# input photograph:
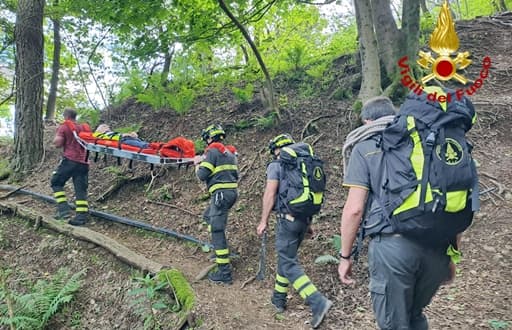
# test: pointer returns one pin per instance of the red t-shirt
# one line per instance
(72, 149)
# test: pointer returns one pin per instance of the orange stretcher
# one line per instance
(176, 152)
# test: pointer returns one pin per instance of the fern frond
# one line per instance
(64, 295)
(326, 259)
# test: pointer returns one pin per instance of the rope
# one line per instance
(362, 133)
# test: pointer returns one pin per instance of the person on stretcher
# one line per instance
(104, 132)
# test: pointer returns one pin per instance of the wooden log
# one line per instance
(120, 251)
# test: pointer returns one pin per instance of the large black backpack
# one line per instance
(301, 182)
(430, 185)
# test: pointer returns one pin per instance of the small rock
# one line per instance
(508, 196)
(488, 248)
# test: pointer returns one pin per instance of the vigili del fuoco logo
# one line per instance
(443, 66)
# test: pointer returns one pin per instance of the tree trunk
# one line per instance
(52, 94)
(167, 65)
(370, 85)
(410, 29)
(269, 85)
(503, 6)
(387, 35)
(424, 9)
(28, 134)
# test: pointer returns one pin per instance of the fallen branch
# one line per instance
(120, 251)
(118, 185)
(249, 280)
(202, 274)
(174, 207)
(304, 130)
(12, 192)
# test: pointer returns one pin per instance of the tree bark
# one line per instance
(387, 34)
(269, 94)
(410, 29)
(54, 81)
(28, 118)
(424, 8)
(370, 85)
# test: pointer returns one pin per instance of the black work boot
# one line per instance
(80, 219)
(222, 275)
(63, 211)
(319, 308)
(278, 300)
(232, 255)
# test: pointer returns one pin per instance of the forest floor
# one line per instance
(480, 297)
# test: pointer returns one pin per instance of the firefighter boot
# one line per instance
(278, 300)
(319, 307)
(80, 219)
(222, 275)
(63, 211)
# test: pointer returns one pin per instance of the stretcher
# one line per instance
(177, 152)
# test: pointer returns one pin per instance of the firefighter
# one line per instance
(217, 167)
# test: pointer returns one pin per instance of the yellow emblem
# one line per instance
(453, 152)
(318, 173)
(444, 41)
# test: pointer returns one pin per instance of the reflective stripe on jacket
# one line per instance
(219, 170)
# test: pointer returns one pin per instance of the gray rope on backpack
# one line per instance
(362, 133)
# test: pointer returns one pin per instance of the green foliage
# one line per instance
(182, 101)
(498, 324)
(33, 310)
(265, 122)
(330, 259)
(5, 169)
(163, 193)
(133, 86)
(199, 146)
(326, 259)
(244, 94)
(90, 116)
(243, 124)
(151, 296)
(182, 289)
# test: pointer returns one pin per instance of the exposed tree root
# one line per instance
(202, 274)
(174, 207)
(120, 182)
(120, 251)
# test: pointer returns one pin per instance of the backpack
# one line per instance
(302, 181)
(430, 183)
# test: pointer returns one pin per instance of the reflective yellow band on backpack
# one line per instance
(456, 200)
(417, 161)
(229, 185)
(317, 198)
(290, 151)
(305, 183)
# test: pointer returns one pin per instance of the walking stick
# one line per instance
(260, 276)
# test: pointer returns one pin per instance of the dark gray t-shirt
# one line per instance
(273, 171)
(365, 169)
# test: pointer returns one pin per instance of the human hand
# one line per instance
(198, 159)
(261, 228)
(345, 271)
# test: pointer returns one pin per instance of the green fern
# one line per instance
(33, 310)
(326, 259)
